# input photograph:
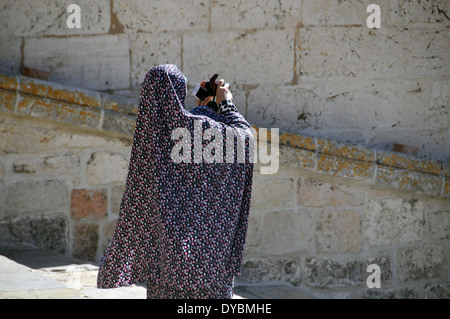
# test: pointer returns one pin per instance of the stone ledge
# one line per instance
(106, 112)
(38, 98)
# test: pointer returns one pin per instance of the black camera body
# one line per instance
(210, 89)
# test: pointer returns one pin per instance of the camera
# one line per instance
(209, 90)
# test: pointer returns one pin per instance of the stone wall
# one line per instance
(304, 66)
(331, 210)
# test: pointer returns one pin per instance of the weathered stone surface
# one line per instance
(159, 15)
(407, 12)
(48, 17)
(409, 180)
(294, 157)
(342, 52)
(287, 232)
(88, 203)
(107, 232)
(25, 139)
(332, 13)
(149, 50)
(290, 108)
(439, 224)
(120, 103)
(35, 197)
(233, 48)
(48, 164)
(259, 269)
(72, 140)
(45, 231)
(392, 221)
(270, 192)
(338, 230)
(437, 291)
(85, 241)
(355, 152)
(254, 232)
(97, 62)
(58, 111)
(105, 168)
(298, 141)
(348, 168)
(8, 101)
(407, 162)
(316, 193)
(116, 198)
(118, 122)
(403, 293)
(10, 60)
(59, 92)
(326, 272)
(421, 262)
(255, 14)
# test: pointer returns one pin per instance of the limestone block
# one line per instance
(437, 291)
(34, 197)
(39, 230)
(272, 192)
(9, 57)
(439, 224)
(85, 241)
(48, 17)
(96, 62)
(316, 193)
(107, 233)
(421, 262)
(331, 13)
(393, 221)
(341, 52)
(287, 232)
(257, 269)
(88, 203)
(324, 272)
(162, 15)
(47, 164)
(255, 14)
(338, 230)
(152, 49)
(440, 94)
(410, 12)
(25, 139)
(116, 198)
(244, 57)
(105, 168)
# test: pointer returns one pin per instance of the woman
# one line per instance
(182, 225)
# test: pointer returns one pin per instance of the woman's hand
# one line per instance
(223, 92)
